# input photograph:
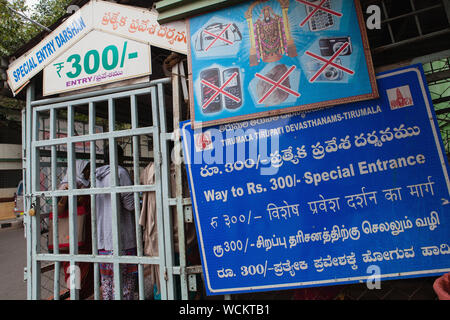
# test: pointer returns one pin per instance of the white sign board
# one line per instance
(97, 59)
(69, 32)
(133, 23)
(141, 25)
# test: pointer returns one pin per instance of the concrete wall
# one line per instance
(10, 156)
(10, 159)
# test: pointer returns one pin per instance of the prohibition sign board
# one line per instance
(281, 54)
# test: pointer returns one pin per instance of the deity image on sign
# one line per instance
(270, 35)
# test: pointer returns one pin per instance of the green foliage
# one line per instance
(15, 31)
(10, 103)
(46, 12)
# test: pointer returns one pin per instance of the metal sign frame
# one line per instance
(33, 194)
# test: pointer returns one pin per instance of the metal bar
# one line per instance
(185, 201)
(438, 76)
(411, 40)
(391, 34)
(29, 19)
(158, 195)
(105, 190)
(167, 135)
(94, 258)
(164, 5)
(98, 136)
(168, 223)
(188, 8)
(447, 9)
(416, 17)
(431, 57)
(34, 137)
(11, 160)
(189, 270)
(86, 156)
(95, 94)
(179, 189)
(137, 208)
(115, 202)
(92, 99)
(93, 158)
(443, 111)
(72, 204)
(183, 82)
(35, 220)
(441, 100)
(24, 165)
(27, 188)
(412, 13)
(54, 187)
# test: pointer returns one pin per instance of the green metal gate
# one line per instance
(39, 200)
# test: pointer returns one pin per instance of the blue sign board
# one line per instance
(334, 196)
(261, 58)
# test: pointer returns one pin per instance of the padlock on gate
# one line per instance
(32, 211)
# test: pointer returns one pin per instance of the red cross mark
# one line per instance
(277, 85)
(220, 91)
(329, 62)
(218, 37)
(317, 8)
